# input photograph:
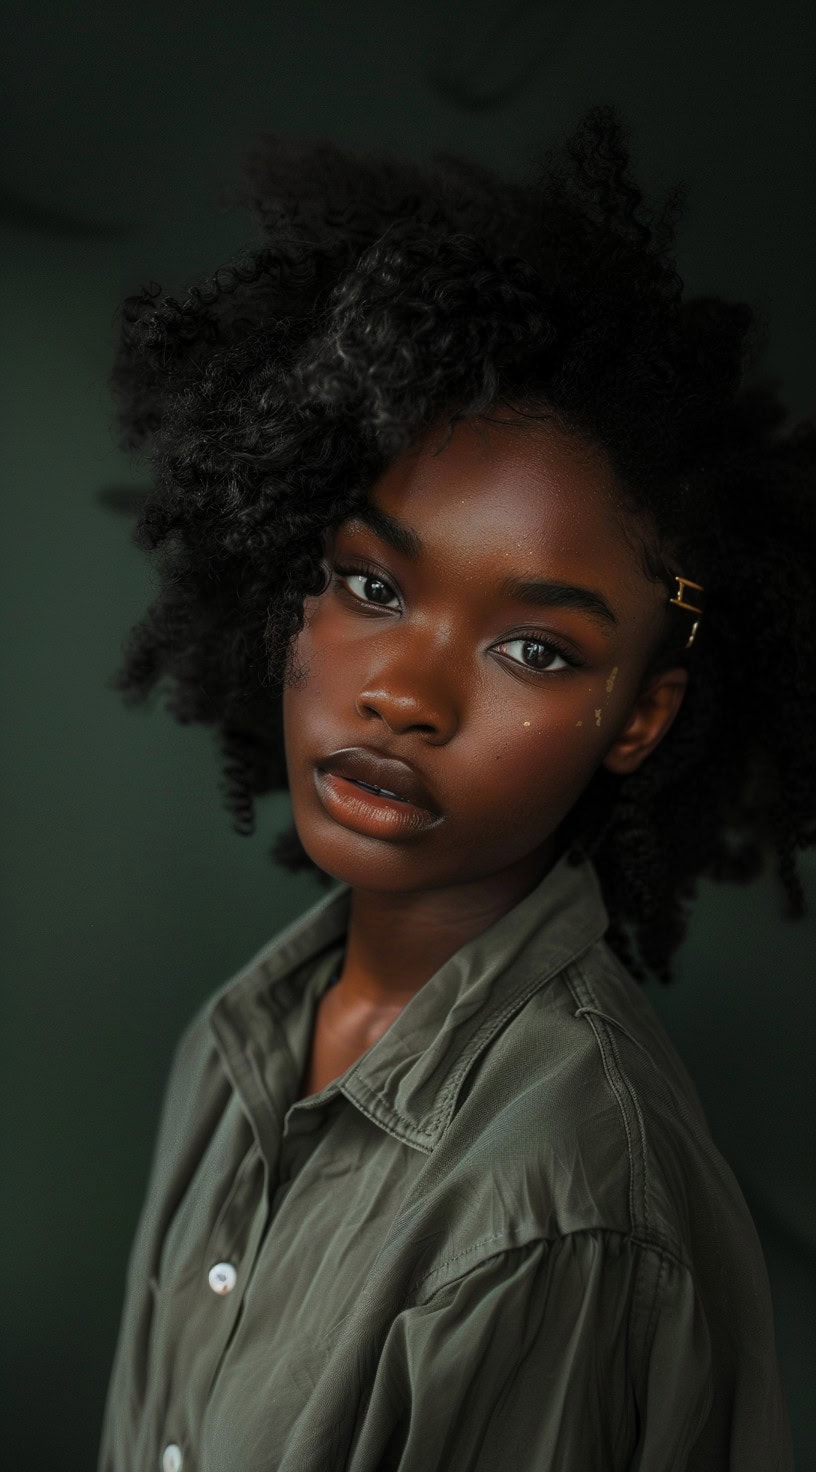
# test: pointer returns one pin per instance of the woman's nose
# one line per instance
(423, 699)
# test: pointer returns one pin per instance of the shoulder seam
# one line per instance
(644, 1243)
(577, 981)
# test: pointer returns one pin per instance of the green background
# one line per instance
(126, 897)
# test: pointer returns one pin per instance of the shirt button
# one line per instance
(222, 1279)
(171, 1458)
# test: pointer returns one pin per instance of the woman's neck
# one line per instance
(398, 940)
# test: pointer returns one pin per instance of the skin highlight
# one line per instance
(424, 659)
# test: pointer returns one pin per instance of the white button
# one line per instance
(222, 1279)
(172, 1458)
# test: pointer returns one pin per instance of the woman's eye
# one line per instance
(541, 655)
(372, 588)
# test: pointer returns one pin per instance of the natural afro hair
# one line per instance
(385, 295)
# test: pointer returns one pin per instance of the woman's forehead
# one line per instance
(517, 519)
(505, 490)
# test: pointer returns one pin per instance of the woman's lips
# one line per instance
(372, 814)
(389, 774)
(378, 791)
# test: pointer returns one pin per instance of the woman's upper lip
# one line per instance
(362, 764)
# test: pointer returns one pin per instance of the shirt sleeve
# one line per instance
(590, 1351)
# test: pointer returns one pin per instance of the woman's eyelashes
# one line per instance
(542, 663)
(552, 657)
(367, 575)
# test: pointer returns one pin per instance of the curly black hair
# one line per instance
(385, 295)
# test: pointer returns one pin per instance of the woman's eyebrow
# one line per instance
(544, 593)
(396, 533)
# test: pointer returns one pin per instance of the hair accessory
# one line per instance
(680, 601)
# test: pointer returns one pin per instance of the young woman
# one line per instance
(474, 534)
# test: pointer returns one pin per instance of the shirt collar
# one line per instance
(409, 1081)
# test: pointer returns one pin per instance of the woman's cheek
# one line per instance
(537, 759)
(598, 704)
(569, 749)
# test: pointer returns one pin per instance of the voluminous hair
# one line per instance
(385, 296)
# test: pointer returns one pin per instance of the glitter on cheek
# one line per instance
(597, 718)
(611, 681)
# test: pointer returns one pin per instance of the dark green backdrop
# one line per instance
(127, 898)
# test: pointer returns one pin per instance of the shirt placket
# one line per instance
(263, 1181)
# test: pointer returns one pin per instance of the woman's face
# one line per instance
(503, 702)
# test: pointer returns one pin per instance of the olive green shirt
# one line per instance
(502, 1239)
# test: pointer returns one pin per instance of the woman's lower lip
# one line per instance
(367, 812)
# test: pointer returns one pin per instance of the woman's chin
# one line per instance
(363, 862)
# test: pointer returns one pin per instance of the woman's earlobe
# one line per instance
(649, 720)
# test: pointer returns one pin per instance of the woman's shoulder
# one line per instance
(584, 1105)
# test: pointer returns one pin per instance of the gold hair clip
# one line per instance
(680, 601)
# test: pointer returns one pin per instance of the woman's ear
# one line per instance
(649, 720)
